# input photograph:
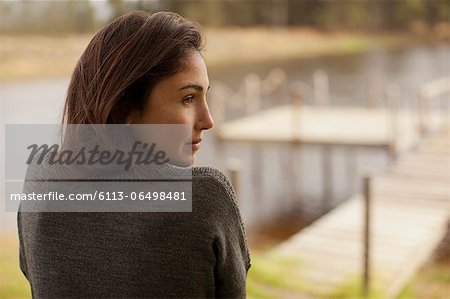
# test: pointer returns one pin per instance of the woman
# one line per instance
(141, 69)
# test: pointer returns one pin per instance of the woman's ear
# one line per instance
(130, 119)
(133, 118)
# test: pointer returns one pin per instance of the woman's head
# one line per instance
(142, 69)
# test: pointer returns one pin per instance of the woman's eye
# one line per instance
(188, 99)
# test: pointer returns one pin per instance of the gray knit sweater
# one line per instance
(198, 254)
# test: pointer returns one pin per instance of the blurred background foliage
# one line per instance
(24, 16)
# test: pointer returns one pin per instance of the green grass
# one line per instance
(275, 276)
(432, 282)
(13, 283)
(271, 276)
(272, 270)
(352, 288)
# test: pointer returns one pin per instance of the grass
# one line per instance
(351, 288)
(433, 282)
(13, 284)
(27, 57)
(271, 276)
(274, 275)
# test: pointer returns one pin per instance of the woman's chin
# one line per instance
(184, 161)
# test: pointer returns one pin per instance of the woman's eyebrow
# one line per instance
(194, 86)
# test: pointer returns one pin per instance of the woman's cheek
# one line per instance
(186, 117)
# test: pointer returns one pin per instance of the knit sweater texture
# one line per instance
(198, 254)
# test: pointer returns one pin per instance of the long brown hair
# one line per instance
(123, 62)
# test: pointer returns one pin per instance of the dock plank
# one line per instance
(410, 214)
(311, 124)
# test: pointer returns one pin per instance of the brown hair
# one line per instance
(123, 62)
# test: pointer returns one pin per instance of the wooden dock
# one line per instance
(394, 131)
(410, 210)
(409, 205)
(396, 126)
(326, 125)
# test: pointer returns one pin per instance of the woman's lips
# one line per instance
(196, 144)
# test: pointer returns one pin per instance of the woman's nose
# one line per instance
(204, 120)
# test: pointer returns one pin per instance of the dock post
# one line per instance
(422, 108)
(252, 93)
(367, 244)
(234, 169)
(322, 98)
(257, 169)
(276, 85)
(351, 167)
(374, 89)
(321, 88)
(393, 96)
(327, 177)
(297, 103)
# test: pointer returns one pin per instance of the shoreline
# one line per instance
(25, 57)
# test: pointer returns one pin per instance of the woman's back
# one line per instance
(202, 253)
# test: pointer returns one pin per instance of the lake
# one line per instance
(263, 194)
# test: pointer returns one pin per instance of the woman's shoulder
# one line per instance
(213, 191)
(213, 185)
(212, 182)
(213, 175)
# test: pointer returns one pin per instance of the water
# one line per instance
(350, 80)
(349, 75)
(263, 192)
(27, 102)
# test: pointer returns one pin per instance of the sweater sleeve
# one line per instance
(230, 244)
(22, 260)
